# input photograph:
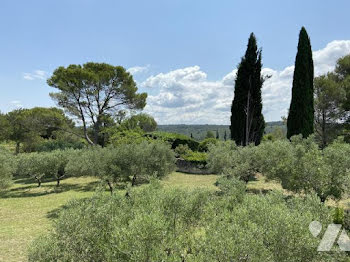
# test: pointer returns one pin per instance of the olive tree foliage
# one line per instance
(7, 163)
(50, 165)
(93, 92)
(158, 224)
(34, 165)
(220, 156)
(56, 163)
(233, 161)
(135, 163)
(301, 166)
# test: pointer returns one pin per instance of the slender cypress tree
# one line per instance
(301, 111)
(247, 121)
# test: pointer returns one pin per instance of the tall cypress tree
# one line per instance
(301, 111)
(247, 121)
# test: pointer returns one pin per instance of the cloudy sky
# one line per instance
(183, 53)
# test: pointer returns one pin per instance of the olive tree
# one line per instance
(231, 160)
(7, 163)
(159, 224)
(134, 163)
(34, 165)
(56, 163)
(301, 166)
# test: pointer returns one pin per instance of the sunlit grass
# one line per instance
(25, 210)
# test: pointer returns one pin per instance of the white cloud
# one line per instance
(37, 74)
(326, 58)
(138, 69)
(15, 104)
(186, 96)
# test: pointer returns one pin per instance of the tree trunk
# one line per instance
(110, 186)
(84, 125)
(18, 144)
(38, 180)
(60, 176)
(324, 140)
(96, 132)
(323, 199)
(133, 182)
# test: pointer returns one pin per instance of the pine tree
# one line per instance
(301, 111)
(225, 136)
(247, 121)
(217, 134)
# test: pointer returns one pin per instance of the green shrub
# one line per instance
(135, 162)
(338, 216)
(51, 145)
(174, 139)
(34, 165)
(199, 158)
(182, 150)
(204, 145)
(133, 136)
(302, 167)
(221, 156)
(7, 163)
(156, 224)
(232, 187)
(226, 157)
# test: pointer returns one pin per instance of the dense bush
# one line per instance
(220, 156)
(135, 162)
(155, 224)
(299, 165)
(51, 145)
(232, 187)
(44, 164)
(204, 145)
(302, 167)
(34, 165)
(56, 163)
(199, 158)
(135, 136)
(234, 161)
(174, 139)
(7, 163)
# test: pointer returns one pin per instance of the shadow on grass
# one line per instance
(258, 191)
(54, 214)
(34, 191)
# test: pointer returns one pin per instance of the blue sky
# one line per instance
(181, 52)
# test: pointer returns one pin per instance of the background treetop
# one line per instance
(93, 90)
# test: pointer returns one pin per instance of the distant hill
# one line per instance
(199, 131)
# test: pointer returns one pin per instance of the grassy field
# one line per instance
(27, 211)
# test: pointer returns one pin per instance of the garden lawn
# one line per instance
(27, 211)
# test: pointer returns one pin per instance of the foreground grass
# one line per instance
(27, 211)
